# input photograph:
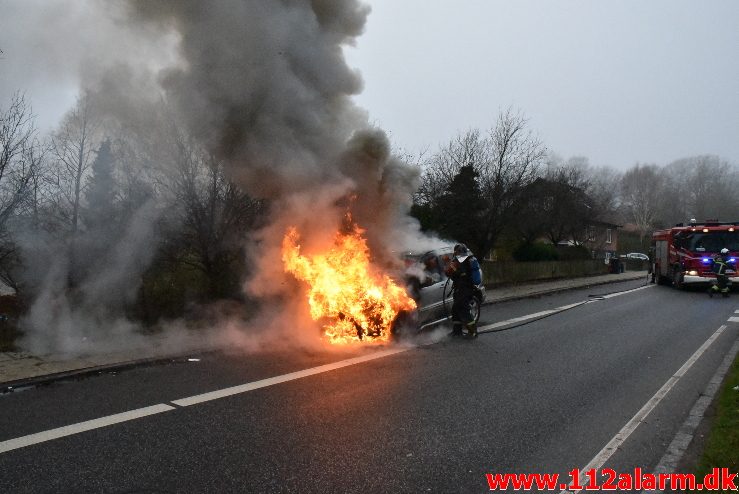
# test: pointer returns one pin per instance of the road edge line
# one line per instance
(676, 450)
(623, 434)
(529, 318)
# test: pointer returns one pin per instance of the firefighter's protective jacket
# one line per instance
(467, 276)
(720, 265)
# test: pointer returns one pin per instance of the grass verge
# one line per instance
(722, 446)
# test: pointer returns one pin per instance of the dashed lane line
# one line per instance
(68, 430)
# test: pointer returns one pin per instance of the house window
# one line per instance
(608, 236)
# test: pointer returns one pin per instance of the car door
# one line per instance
(431, 305)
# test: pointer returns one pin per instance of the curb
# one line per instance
(30, 382)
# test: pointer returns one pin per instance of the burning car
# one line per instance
(355, 300)
(430, 287)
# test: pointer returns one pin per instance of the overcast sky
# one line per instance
(619, 82)
(616, 81)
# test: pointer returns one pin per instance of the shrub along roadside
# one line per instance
(9, 312)
(533, 252)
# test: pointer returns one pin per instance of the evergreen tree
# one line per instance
(100, 214)
(461, 208)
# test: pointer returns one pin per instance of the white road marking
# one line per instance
(734, 319)
(271, 381)
(527, 317)
(618, 294)
(544, 313)
(40, 437)
(68, 430)
(610, 448)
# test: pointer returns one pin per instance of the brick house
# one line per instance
(601, 238)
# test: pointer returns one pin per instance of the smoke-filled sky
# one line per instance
(616, 81)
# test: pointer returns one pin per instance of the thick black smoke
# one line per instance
(264, 86)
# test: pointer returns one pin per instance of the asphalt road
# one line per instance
(545, 396)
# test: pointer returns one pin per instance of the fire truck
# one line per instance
(683, 255)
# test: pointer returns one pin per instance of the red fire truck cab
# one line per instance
(683, 255)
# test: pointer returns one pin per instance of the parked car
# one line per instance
(638, 256)
(430, 287)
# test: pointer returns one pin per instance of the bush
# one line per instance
(10, 311)
(574, 253)
(535, 252)
(166, 291)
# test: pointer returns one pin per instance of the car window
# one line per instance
(711, 242)
(431, 264)
(445, 259)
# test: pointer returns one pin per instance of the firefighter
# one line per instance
(466, 275)
(720, 265)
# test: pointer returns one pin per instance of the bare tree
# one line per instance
(36, 199)
(700, 187)
(73, 146)
(604, 189)
(641, 188)
(558, 203)
(213, 214)
(217, 216)
(505, 161)
(20, 155)
(512, 162)
(467, 149)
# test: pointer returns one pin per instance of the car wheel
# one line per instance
(406, 323)
(475, 308)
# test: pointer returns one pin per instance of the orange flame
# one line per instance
(356, 301)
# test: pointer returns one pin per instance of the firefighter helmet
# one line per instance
(460, 250)
(724, 251)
